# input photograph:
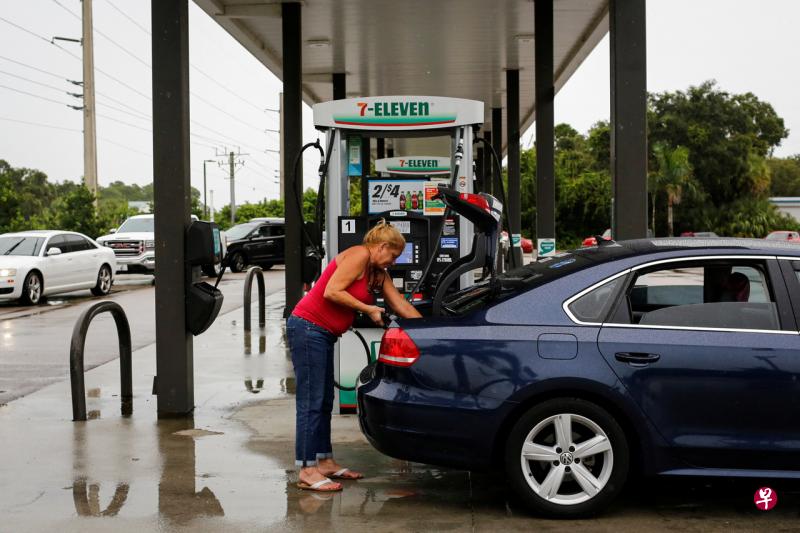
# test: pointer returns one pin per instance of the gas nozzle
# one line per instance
(387, 319)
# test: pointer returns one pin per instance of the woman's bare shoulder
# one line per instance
(354, 254)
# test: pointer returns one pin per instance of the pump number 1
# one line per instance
(348, 226)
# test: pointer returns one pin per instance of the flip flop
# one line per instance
(317, 486)
(342, 474)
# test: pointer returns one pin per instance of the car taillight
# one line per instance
(476, 200)
(397, 348)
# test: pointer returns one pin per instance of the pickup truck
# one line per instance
(134, 246)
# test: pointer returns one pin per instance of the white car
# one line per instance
(34, 264)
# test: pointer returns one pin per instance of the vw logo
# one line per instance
(566, 458)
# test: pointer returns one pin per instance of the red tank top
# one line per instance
(333, 317)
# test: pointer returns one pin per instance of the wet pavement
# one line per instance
(35, 340)
(231, 467)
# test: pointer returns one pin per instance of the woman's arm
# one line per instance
(348, 268)
(400, 305)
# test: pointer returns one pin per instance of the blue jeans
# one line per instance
(312, 357)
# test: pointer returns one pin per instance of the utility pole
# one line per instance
(233, 189)
(232, 162)
(89, 130)
(212, 205)
(205, 198)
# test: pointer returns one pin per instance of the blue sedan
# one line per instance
(657, 356)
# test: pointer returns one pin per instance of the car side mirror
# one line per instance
(112, 230)
(53, 251)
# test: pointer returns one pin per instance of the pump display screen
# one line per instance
(407, 257)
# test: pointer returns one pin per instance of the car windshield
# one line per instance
(529, 276)
(20, 245)
(135, 225)
(240, 231)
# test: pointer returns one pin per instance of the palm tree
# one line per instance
(673, 176)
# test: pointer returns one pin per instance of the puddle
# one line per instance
(196, 433)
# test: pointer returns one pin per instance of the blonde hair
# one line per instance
(383, 232)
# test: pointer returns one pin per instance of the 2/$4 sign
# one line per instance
(398, 113)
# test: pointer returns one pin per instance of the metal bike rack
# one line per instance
(248, 286)
(76, 358)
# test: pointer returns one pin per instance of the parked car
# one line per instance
(652, 356)
(704, 234)
(34, 264)
(783, 236)
(134, 246)
(592, 240)
(258, 242)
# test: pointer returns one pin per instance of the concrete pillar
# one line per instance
(339, 85)
(171, 186)
(488, 168)
(365, 164)
(512, 126)
(628, 118)
(545, 149)
(381, 149)
(480, 176)
(293, 142)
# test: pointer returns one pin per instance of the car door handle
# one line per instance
(637, 358)
(270, 242)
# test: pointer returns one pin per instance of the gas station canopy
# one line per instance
(454, 48)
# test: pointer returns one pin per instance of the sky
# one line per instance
(742, 45)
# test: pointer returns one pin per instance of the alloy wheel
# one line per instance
(104, 280)
(34, 289)
(567, 459)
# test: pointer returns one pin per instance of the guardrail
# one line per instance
(76, 358)
(248, 289)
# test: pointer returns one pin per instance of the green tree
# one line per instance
(672, 177)
(785, 176)
(76, 212)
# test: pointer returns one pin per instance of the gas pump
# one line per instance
(406, 194)
(203, 301)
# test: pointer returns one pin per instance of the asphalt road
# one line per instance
(34, 341)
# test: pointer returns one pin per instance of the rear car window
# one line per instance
(595, 304)
(730, 294)
(524, 278)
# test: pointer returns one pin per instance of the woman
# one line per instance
(347, 285)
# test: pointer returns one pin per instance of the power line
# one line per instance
(129, 87)
(132, 89)
(20, 63)
(34, 95)
(33, 81)
(51, 126)
(45, 39)
(143, 62)
(73, 130)
(97, 31)
(135, 112)
(198, 69)
(128, 17)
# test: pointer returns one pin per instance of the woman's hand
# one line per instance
(374, 314)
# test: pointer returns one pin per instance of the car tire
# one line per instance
(104, 280)
(32, 289)
(567, 476)
(238, 262)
